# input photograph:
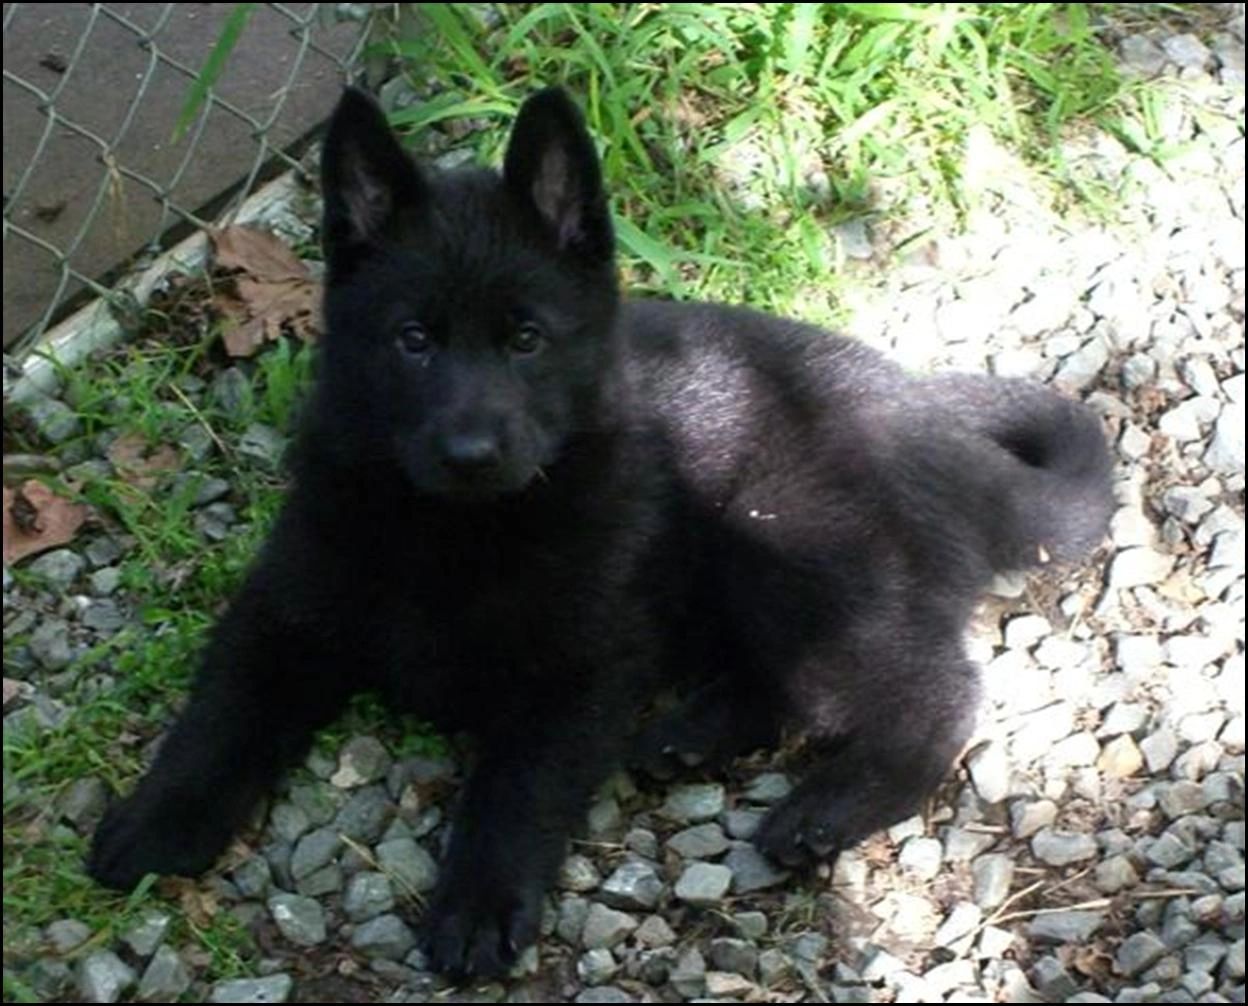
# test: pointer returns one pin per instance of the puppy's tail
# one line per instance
(1035, 470)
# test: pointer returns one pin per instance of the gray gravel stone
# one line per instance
(49, 644)
(361, 761)
(386, 936)
(695, 802)
(1188, 51)
(1159, 749)
(252, 877)
(103, 616)
(605, 816)
(604, 994)
(1226, 450)
(570, 918)
(741, 824)
(921, 857)
(1138, 952)
(103, 977)
(1169, 851)
(963, 845)
(165, 978)
(751, 870)
(1142, 55)
(1135, 567)
(67, 935)
(272, 989)
(596, 967)
(410, 868)
(300, 919)
(960, 927)
(703, 884)
(751, 925)
(578, 873)
(1053, 980)
(1073, 926)
(1115, 874)
(263, 445)
(737, 956)
(1061, 848)
(1233, 967)
(365, 815)
(655, 932)
(688, 978)
(147, 934)
(368, 895)
(1081, 369)
(992, 874)
(605, 927)
(643, 842)
(990, 773)
(768, 788)
(773, 967)
(84, 802)
(314, 851)
(1028, 816)
(55, 421)
(1178, 799)
(633, 885)
(702, 841)
(105, 581)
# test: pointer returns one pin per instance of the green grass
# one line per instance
(735, 136)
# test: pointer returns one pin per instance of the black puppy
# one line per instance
(521, 505)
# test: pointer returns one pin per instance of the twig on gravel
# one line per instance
(1077, 907)
(222, 446)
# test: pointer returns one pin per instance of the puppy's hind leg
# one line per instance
(905, 731)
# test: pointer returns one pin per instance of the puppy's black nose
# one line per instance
(471, 453)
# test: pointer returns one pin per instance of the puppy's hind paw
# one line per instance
(800, 832)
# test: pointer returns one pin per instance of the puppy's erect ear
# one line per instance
(552, 170)
(366, 177)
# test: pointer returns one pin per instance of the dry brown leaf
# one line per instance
(257, 253)
(1093, 961)
(199, 904)
(272, 294)
(36, 519)
(138, 465)
(12, 689)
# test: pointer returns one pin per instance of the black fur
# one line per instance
(521, 506)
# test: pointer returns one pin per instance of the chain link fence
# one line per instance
(98, 177)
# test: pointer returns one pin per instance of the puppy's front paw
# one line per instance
(473, 929)
(135, 838)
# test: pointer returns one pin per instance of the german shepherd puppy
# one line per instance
(522, 504)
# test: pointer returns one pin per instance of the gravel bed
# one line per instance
(1090, 847)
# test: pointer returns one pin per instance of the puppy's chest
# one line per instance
(516, 607)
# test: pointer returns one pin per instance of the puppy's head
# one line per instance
(469, 313)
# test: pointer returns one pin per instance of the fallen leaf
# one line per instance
(1093, 961)
(12, 689)
(257, 253)
(36, 519)
(138, 465)
(270, 294)
(199, 904)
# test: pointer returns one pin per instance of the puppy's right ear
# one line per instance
(366, 177)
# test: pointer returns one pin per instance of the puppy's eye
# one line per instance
(413, 339)
(526, 340)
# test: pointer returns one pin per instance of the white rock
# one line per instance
(1134, 567)
(1226, 451)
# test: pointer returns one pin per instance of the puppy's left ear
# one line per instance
(552, 170)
